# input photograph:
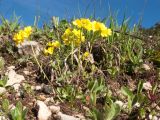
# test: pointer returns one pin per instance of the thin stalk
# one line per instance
(72, 52)
(34, 55)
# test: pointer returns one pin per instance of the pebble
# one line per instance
(14, 79)
(42, 97)
(66, 117)
(2, 90)
(26, 48)
(44, 113)
(54, 109)
(38, 88)
(47, 89)
(146, 67)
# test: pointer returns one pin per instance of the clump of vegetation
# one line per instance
(88, 65)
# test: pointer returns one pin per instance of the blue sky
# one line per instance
(148, 10)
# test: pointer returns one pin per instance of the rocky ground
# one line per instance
(127, 90)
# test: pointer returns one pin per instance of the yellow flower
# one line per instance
(22, 34)
(86, 55)
(56, 44)
(49, 50)
(73, 36)
(68, 31)
(79, 35)
(50, 44)
(83, 23)
(106, 32)
(18, 38)
(97, 26)
(28, 30)
(51, 47)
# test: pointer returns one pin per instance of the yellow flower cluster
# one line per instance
(51, 46)
(93, 25)
(85, 55)
(73, 36)
(83, 23)
(22, 35)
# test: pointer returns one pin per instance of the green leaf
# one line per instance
(126, 92)
(3, 81)
(2, 62)
(130, 96)
(98, 89)
(140, 86)
(142, 113)
(19, 106)
(24, 113)
(15, 114)
(112, 112)
(5, 105)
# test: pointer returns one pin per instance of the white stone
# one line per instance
(80, 116)
(14, 79)
(66, 117)
(120, 103)
(2, 90)
(155, 118)
(137, 105)
(146, 67)
(147, 86)
(26, 72)
(44, 112)
(3, 118)
(10, 68)
(54, 109)
(38, 88)
(150, 117)
(50, 99)
(27, 48)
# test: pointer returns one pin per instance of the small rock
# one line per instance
(66, 117)
(151, 117)
(18, 94)
(44, 112)
(38, 88)
(2, 90)
(54, 109)
(155, 118)
(120, 103)
(146, 67)
(49, 100)
(147, 86)
(80, 116)
(10, 68)
(150, 36)
(47, 89)
(42, 97)
(26, 48)
(3, 118)
(14, 79)
(26, 72)
(136, 105)
(31, 103)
